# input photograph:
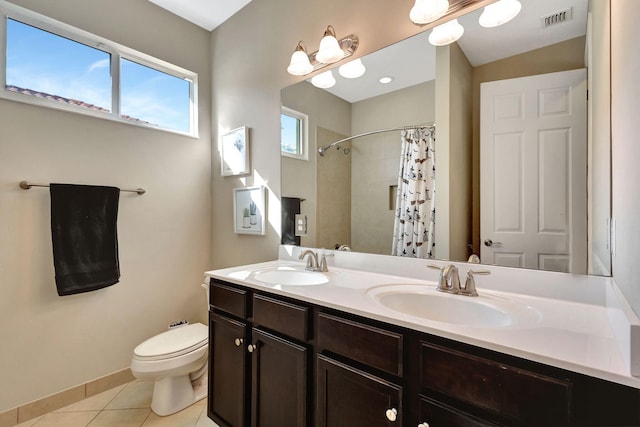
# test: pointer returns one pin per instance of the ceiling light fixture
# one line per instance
(386, 80)
(331, 50)
(446, 33)
(499, 13)
(353, 69)
(425, 11)
(323, 80)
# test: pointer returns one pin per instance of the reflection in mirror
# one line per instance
(537, 171)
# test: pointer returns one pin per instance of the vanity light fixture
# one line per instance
(323, 80)
(300, 64)
(499, 13)
(331, 50)
(353, 69)
(446, 33)
(425, 11)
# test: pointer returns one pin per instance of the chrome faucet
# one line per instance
(312, 260)
(449, 280)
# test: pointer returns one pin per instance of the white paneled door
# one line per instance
(533, 173)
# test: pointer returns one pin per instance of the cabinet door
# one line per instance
(279, 382)
(348, 397)
(227, 371)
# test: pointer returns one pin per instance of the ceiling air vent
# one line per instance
(557, 18)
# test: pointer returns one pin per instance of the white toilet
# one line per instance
(176, 360)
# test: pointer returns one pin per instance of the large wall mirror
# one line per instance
(522, 163)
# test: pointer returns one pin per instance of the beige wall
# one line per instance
(453, 160)
(625, 92)
(300, 177)
(334, 193)
(50, 343)
(599, 117)
(567, 55)
(375, 161)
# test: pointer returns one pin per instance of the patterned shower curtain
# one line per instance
(414, 225)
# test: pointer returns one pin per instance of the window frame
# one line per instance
(304, 133)
(117, 52)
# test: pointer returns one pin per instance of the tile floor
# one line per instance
(127, 405)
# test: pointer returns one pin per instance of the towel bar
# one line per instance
(25, 185)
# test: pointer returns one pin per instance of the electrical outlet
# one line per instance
(301, 225)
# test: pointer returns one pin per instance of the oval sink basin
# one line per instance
(484, 311)
(291, 277)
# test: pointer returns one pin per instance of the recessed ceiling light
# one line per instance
(386, 79)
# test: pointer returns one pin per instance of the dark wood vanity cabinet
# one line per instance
(258, 359)
(305, 365)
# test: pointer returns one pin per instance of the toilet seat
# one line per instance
(173, 343)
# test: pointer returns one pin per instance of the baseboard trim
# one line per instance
(64, 398)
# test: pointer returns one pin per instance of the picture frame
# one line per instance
(249, 210)
(234, 152)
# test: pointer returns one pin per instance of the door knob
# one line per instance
(238, 342)
(392, 414)
(489, 243)
(251, 348)
(423, 425)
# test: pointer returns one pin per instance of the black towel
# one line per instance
(290, 207)
(84, 236)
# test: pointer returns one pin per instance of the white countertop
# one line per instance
(570, 333)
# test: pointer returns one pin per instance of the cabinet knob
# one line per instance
(392, 414)
(238, 342)
(423, 425)
(251, 348)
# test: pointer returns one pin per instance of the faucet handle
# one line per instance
(323, 262)
(470, 283)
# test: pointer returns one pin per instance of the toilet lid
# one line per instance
(173, 342)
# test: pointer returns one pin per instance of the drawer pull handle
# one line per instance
(392, 414)
(423, 425)
(238, 342)
(251, 348)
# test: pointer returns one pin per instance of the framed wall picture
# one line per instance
(234, 152)
(249, 210)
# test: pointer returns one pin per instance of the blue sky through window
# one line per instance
(45, 62)
(290, 131)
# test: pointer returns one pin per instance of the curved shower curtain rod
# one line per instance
(322, 150)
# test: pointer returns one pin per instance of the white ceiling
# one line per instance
(207, 14)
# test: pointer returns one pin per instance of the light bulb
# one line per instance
(425, 11)
(446, 33)
(300, 64)
(353, 69)
(323, 80)
(499, 13)
(329, 51)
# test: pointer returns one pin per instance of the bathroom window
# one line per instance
(51, 64)
(294, 134)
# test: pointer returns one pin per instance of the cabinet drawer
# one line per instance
(516, 395)
(280, 316)
(375, 347)
(226, 298)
